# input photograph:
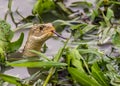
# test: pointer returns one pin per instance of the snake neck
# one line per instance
(31, 45)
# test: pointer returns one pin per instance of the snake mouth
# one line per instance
(47, 35)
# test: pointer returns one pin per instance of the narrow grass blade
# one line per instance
(40, 54)
(32, 64)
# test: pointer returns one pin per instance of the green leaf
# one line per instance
(5, 33)
(11, 79)
(82, 78)
(60, 24)
(40, 54)
(16, 45)
(88, 28)
(115, 2)
(99, 75)
(63, 7)
(2, 55)
(42, 6)
(113, 75)
(28, 63)
(78, 64)
(73, 27)
(93, 51)
(108, 16)
(106, 34)
(75, 54)
(74, 58)
(81, 3)
(116, 39)
(57, 23)
(95, 12)
(58, 55)
(110, 13)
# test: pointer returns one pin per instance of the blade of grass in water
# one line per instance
(56, 59)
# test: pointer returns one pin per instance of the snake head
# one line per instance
(41, 32)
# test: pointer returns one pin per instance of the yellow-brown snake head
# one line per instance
(41, 32)
(38, 34)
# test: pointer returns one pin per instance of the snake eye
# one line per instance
(42, 27)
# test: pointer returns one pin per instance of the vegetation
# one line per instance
(85, 59)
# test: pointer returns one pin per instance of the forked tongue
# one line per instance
(59, 35)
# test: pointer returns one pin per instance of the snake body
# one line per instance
(38, 34)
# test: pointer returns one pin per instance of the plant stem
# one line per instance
(52, 70)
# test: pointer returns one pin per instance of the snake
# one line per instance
(37, 36)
